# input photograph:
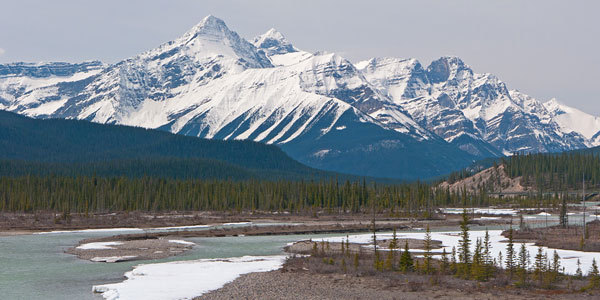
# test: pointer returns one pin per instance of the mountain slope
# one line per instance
(383, 118)
(57, 144)
(210, 83)
(470, 109)
(574, 120)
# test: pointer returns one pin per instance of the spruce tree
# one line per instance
(444, 262)
(500, 260)
(578, 273)
(427, 268)
(594, 276)
(406, 261)
(477, 266)
(555, 267)
(464, 252)
(510, 254)
(523, 265)
(539, 265)
(563, 213)
(487, 255)
(453, 263)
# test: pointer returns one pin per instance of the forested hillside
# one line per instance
(556, 172)
(541, 172)
(69, 147)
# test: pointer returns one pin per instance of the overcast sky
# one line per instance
(541, 47)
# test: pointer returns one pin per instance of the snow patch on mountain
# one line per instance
(274, 43)
(475, 111)
(574, 120)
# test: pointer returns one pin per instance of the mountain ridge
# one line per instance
(318, 107)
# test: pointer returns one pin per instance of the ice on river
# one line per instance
(185, 279)
(451, 239)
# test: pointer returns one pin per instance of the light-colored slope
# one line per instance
(572, 119)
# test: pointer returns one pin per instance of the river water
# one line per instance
(36, 267)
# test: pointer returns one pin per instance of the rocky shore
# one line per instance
(296, 281)
(118, 251)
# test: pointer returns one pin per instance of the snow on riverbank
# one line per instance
(483, 211)
(90, 230)
(182, 242)
(180, 227)
(98, 246)
(451, 239)
(237, 223)
(113, 259)
(185, 279)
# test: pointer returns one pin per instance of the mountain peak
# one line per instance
(211, 37)
(445, 68)
(274, 43)
(210, 25)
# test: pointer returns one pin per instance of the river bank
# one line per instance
(300, 278)
(568, 237)
(27, 223)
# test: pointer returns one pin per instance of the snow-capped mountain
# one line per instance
(274, 43)
(211, 83)
(384, 117)
(24, 87)
(474, 111)
(574, 120)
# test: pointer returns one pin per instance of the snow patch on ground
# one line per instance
(237, 223)
(180, 227)
(451, 239)
(488, 218)
(185, 279)
(483, 211)
(181, 242)
(113, 259)
(98, 246)
(90, 230)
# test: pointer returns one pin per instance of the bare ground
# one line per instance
(562, 238)
(302, 279)
(132, 250)
(12, 223)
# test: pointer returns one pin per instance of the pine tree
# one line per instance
(487, 255)
(510, 254)
(594, 276)
(500, 260)
(444, 262)
(389, 261)
(464, 254)
(578, 273)
(555, 268)
(315, 250)
(523, 265)
(406, 261)
(427, 268)
(563, 213)
(478, 267)
(453, 263)
(539, 266)
(356, 261)
(392, 254)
